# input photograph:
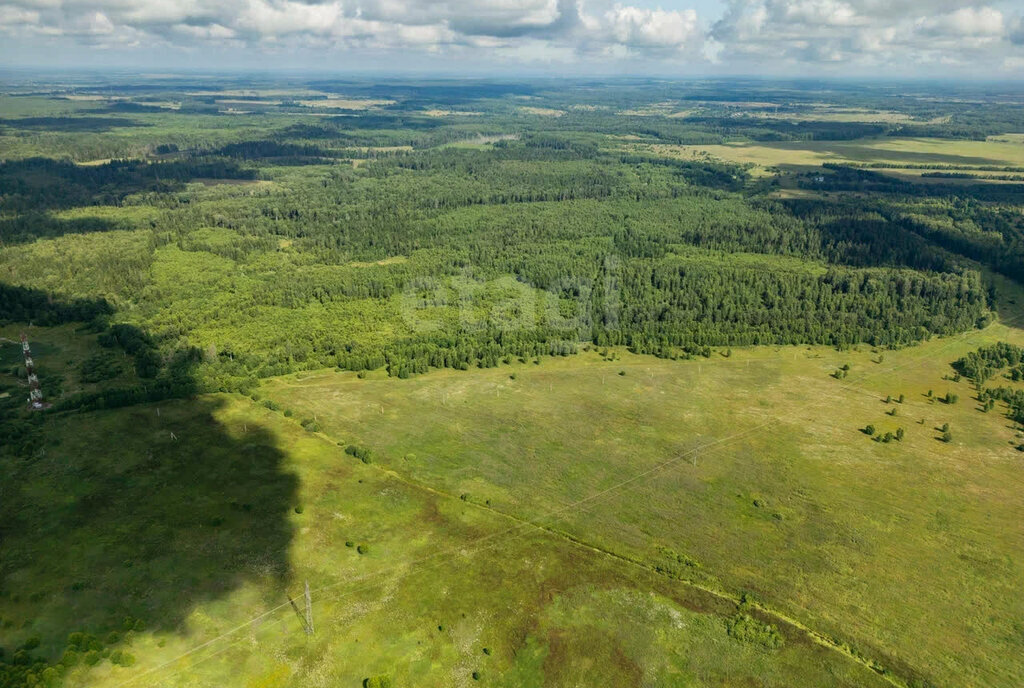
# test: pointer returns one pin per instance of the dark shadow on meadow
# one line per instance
(128, 517)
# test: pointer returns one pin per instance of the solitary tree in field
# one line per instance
(899, 434)
(947, 436)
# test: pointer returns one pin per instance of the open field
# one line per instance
(345, 103)
(556, 494)
(205, 516)
(919, 152)
(769, 483)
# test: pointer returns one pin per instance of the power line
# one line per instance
(523, 524)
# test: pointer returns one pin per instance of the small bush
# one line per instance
(102, 366)
(363, 549)
(747, 629)
(361, 453)
(381, 681)
(272, 405)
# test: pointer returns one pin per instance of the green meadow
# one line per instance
(601, 515)
(554, 384)
(208, 514)
(923, 154)
(755, 466)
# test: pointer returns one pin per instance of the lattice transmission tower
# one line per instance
(35, 394)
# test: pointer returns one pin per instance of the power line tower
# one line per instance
(35, 395)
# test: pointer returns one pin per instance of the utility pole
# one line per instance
(35, 395)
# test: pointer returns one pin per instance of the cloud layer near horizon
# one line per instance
(904, 36)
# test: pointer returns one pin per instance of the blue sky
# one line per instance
(820, 38)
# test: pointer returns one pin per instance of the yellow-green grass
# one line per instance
(755, 466)
(541, 111)
(346, 103)
(206, 515)
(916, 151)
(833, 114)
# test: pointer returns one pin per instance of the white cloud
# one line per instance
(754, 33)
(207, 32)
(654, 29)
(272, 18)
(17, 16)
(818, 12)
(865, 33)
(967, 21)
(94, 24)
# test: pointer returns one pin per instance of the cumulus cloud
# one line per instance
(16, 16)
(748, 32)
(966, 21)
(657, 30)
(863, 33)
(562, 27)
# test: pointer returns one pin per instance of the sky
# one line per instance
(802, 38)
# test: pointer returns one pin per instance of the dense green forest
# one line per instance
(511, 224)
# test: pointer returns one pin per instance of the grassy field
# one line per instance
(916, 151)
(755, 466)
(586, 519)
(189, 535)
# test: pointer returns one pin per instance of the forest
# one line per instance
(359, 225)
